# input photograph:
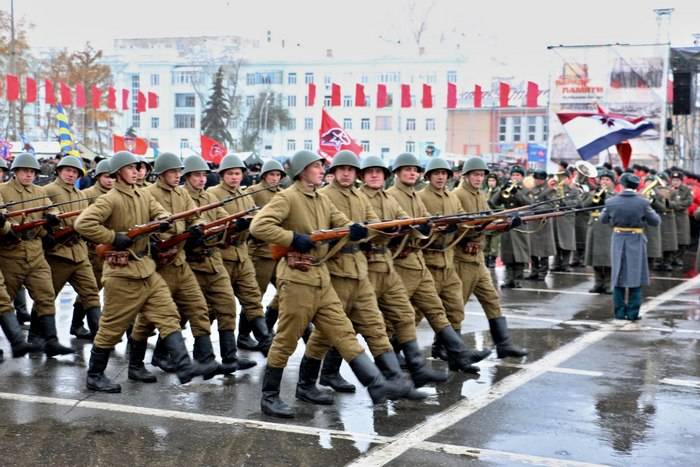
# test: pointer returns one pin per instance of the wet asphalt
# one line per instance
(591, 391)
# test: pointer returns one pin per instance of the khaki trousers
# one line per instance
(476, 279)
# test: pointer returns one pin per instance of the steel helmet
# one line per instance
(344, 157)
(167, 161)
(102, 168)
(369, 162)
(120, 160)
(272, 165)
(437, 163)
(406, 160)
(301, 160)
(25, 161)
(475, 163)
(3, 164)
(71, 161)
(232, 162)
(195, 164)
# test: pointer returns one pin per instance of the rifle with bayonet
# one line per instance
(24, 212)
(15, 203)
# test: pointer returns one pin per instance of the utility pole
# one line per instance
(13, 121)
(663, 21)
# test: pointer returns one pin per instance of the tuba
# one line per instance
(584, 171)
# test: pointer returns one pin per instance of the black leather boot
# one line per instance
(48, 329)
(185, 368)
(459, 358)
(330, 373)
(76, 326)
(270, 403)
(96, 379)
(229, 355)
(13, 332)
(534, 269)
(92, 316)
(420, 373)
(35, 335)
(504, 344)
(271, 315)
(161, 358)
(203, 352)
(389, 366)
(137, 370)
(307, 390)
(262, 335)
(245, 340)
(438, 350)
(378, 387)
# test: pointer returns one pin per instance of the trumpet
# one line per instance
(561, 178)
(510, 189)
(649, 191)
(599, 196)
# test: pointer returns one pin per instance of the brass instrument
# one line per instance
(585, 170)
(561, 177)
(508, 191)
(649, 191)
(599, 195)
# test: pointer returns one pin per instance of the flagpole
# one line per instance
(13, 123)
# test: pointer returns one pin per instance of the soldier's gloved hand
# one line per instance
(515, 221)
(122, 241)
(48, 242)
(3, 219)
(302, 243)
(164, 226)
(451, 228)
(358, 232)
(242, 224)
(52, 220)
(424, 229)
(196, 235)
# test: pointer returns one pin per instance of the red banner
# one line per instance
(111, 98)
(12, 88)
(66, 94)
(451, 95)
(129, 143)
(140, 102)
(478, 95)
(503, 92)
(335, 95)
(333, 138)
(95, 95)
(125, 99)
(311, 95)
(152, 100)
(360, 98)
(212, 150)
(533, 92)
(427, 99)
(405, 95)
(49, 96)
(80, 99)
(382, 97)
(30, 90)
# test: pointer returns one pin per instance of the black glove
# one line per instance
(122, 241)
(358, 232)
(302, 243)
(515, 221)
(48, 241)
(242, 224)
(424, 229)
(164, 226)
(52, 220)
(196, 236)
(451, 228)
(3, 219)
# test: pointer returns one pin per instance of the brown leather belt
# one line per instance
(349, 249)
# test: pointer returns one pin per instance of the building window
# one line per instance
(502, 129)
(308, 78)
(383, 123)
(291, 101)
(365, 145)
(184, 100)
(545, 128)
(184, 143)
(135, 86)
(364, 124)
(411, 146)
(292, 124)
(266, 77)
(531, 128)
(517, 130)
(364, 79)
(291, 145)
(430, 124)
(250, 101)
(327, 101)
(184, 121)
(155, 122)
(327, 80)
(451, 76)
(291, 78)
(410, 124)
(308, 145)
(347, 101)
(347, 123)
(184, 77)
(308, 123)
(155, 79)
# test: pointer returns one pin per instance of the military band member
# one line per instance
(599, 235)
(682, 198)
(541, 234)
(653, 232)
(564, 226)
(669, 234)
(492, 242)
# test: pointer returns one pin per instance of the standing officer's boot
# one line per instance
(48, 330)
(666, 262)
(161, 358)
(137, 370)
(504, 344)
(389, 366)
(262, 335)
(378, 387)
(93, 315)
(35, 334)
(459, 358)
(245, 341)
(13, 332)
(185, 368)
(271, 315)
(307, 390)
(438, 349)
(420, 373)
(270, 403)
(229, 356)
(76, 326)
(330, 373)
(96, 379)
(534, 269)
(203, 352)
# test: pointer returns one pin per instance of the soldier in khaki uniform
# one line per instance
(469, 261)
(130, 280)
(68, 259)
(542, 243)
(599, 235)
(305, 291)
(682, 198)
(22, 259)
(416, 276)
(348, 270)
(236, 260)
(103, 183)
(492, 242)
(144, 169)
(205, 260)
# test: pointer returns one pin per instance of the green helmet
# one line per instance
(102, 168)
(232, 162)
(375, 161)
(437, 163)
(475, 163)
(3, 164)
(270, 166)
(25, 161)
(344, 158)
(406, 160)
(195, 164)
(166, 161)
(71, 161)
(120, 160)
(301, 160)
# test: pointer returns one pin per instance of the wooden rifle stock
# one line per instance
(22, 212)
(39, 222)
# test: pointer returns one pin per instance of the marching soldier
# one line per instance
(469, 261)
(131, 283)
(103, 183)
(236, 260)
(144, 168)
(492, 242)
(418, 278)
(682, 198)
(305, 291)
(208, 266)
(653, 231)
(599, 235)
(22, 260)
(68, 259)
(515, 248)
(542, 237)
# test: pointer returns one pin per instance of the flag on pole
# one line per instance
(140, 102)
(360, 98)
(503, 93)
(212, 150)
(125, 99)
(152, 100)
(451, 95)
(30, 90)
(111, 98)
(311, 95)
(66, 95)
(129, 143)
(382, 97)
(66, 140)
(12, 87)
(478, 96)
(333, 138)
(533, 91)
(80, 99)
(427, 99)
(49, 95)
(95, 96)
(405, 95)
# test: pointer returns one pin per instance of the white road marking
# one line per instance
(681, 382)
(660, 278)
(457, 412)
(565, 292)
(576, 371)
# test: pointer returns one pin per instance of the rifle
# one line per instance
(14, 203)
(503, 225)
(23, 212)
(17, 228)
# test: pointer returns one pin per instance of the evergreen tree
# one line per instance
(217, 112)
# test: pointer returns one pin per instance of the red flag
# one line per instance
(80, 100)
(125, 99)
(111, 98)
(427, 99)
(405, 95)
(360, 100)
(66, 95)
(212, 150)
(624, 149)
(669, 91)
(335, 95)
(29, 90)
(382, 97)
(451, 95)
(478, 95)
(533, 92)
(95, 95)
(152, 100)
(503, 92)
(333, 138)
(49, 96)
(12, 90)
(140, 102)
(311, 95)
(129, 143)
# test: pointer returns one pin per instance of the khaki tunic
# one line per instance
(5, 302)
(94, 192)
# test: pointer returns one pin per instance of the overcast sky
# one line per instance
(504, 37)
